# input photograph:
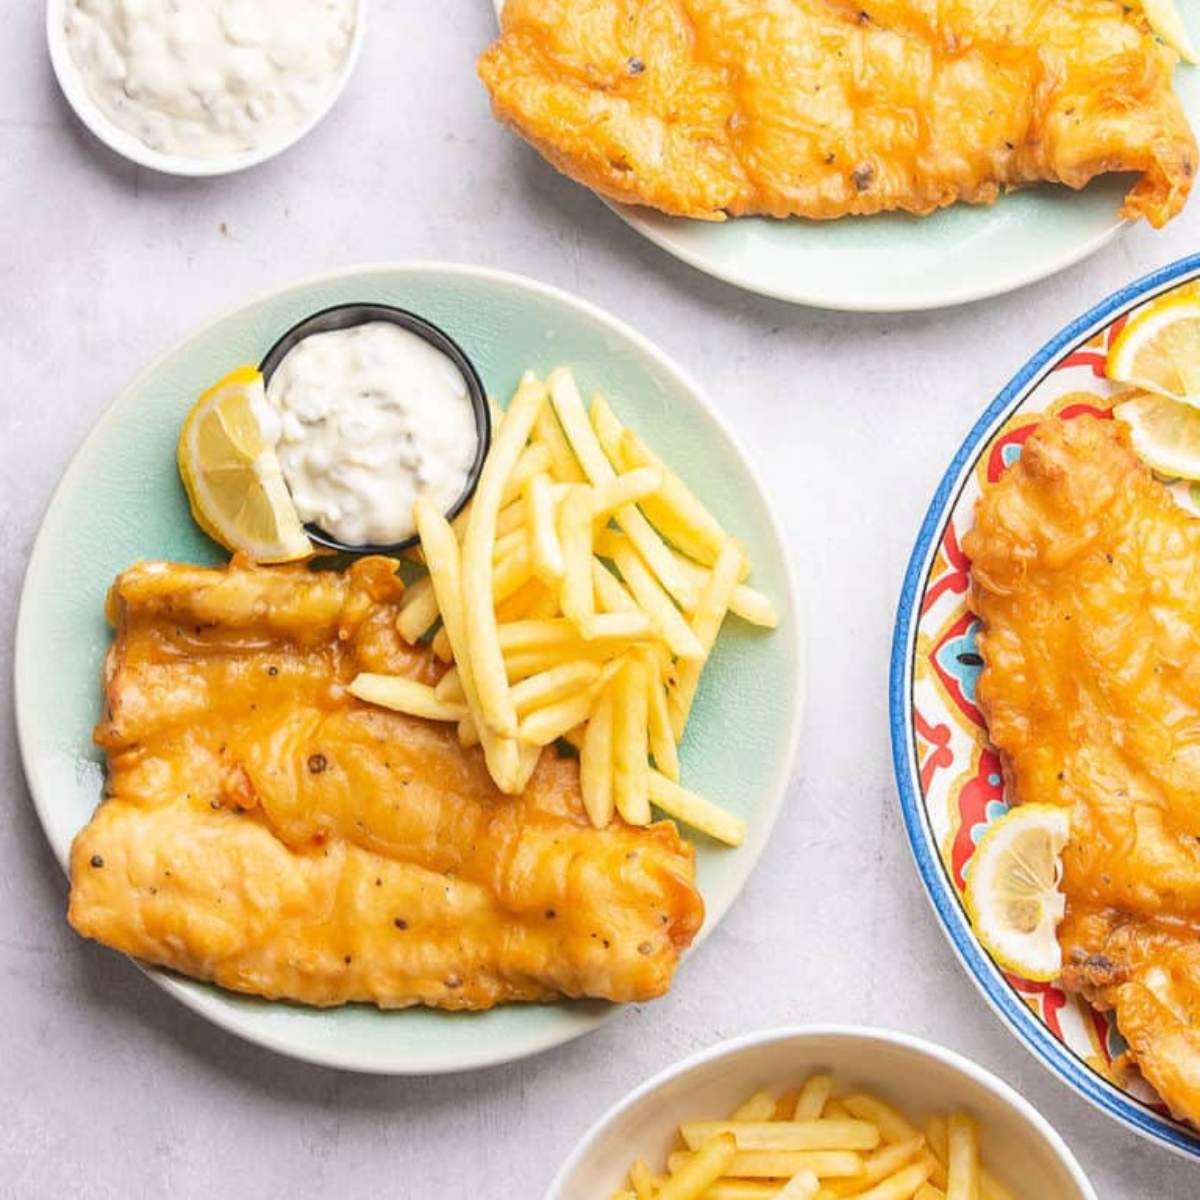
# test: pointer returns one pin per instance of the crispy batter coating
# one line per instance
(824, 108)
(265, 830)
(1086, 575)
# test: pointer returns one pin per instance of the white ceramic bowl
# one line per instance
(1019, 1147)
(125, 144)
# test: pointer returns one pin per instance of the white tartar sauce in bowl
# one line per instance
(209, 79)
(370, 418)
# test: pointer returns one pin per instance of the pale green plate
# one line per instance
(121, 500)
(900, 263)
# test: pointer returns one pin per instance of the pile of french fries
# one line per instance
(579, 596)
(813, 1144)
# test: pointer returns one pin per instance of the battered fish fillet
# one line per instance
(823, 108)
(265, 830)
(1086, 575)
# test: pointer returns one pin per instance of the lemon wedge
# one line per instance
(1012, 892)
(1159, 350)
(1166, 21)
(1166, 434)
(232, 476)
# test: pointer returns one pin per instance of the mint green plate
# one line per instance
(899, 263)
(121, 500)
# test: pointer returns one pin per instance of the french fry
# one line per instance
(604, 630)
(706, 624)
(545, 550)
(631, 768)
(532, 460)
(611, 594)
(785, 1135)
(783, 1164)
(627, 488)
(835, 1110)
(962, 1157)
(441, 646)
(418, 610)
(449, 689)
(804, 1185)
(937, 1138)
(443, 558)
(667, 620)
(751, 605)
(404, 695)
(742, 1189)
(558, 683)
(577, 597)
(927, 1191)
(990, 1188)
(564, 466)
(758, 1107)
(902, 1185)
(694, 810)
(468, 732)
(706, 1166)
(528, 757)
(882, 1163)
(564, 396)
(596, 762)
(546, 725)
(506, 543)
(675, 511)
(487, 661)
(785, 1106)
(662, 744)
(528, 601)
(937, 1169)
(893, 1126)
(511, 518)
(813, 1095)
(642, 1180)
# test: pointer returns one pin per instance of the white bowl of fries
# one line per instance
(819, 1113)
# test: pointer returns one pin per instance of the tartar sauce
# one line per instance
(370, 418)
(209, 78)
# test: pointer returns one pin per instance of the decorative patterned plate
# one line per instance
(120, 500)
(900, 263)
(948, 775)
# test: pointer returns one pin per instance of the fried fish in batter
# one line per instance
(1086, 576)
(824, 108)
(265, 830)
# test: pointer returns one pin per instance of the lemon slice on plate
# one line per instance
(232, 476)
(1159, 350)
(1166, 21)
(1166, 434)
(1012, 892)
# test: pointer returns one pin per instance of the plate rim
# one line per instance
(210, 1000)
(951, 919)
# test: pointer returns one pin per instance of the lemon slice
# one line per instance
(1166, 21)
(231, 474)
(1166, 434)
(1012, 889)
(1159, 350)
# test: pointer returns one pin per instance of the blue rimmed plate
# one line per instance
(120, 500)
(948, 775)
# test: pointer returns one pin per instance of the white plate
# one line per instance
(900, 263)
(125, 144)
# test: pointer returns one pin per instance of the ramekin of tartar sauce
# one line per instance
(369, 407)
(203, 87)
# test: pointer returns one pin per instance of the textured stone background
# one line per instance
(111, 1088)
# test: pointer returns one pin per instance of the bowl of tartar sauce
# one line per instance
(203, 87)
(370, 407)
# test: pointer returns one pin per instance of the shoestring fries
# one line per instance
(811, 1144)
(578, 597)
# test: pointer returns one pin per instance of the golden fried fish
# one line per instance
(265, 830)
(824, 108)
(1086, 576)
